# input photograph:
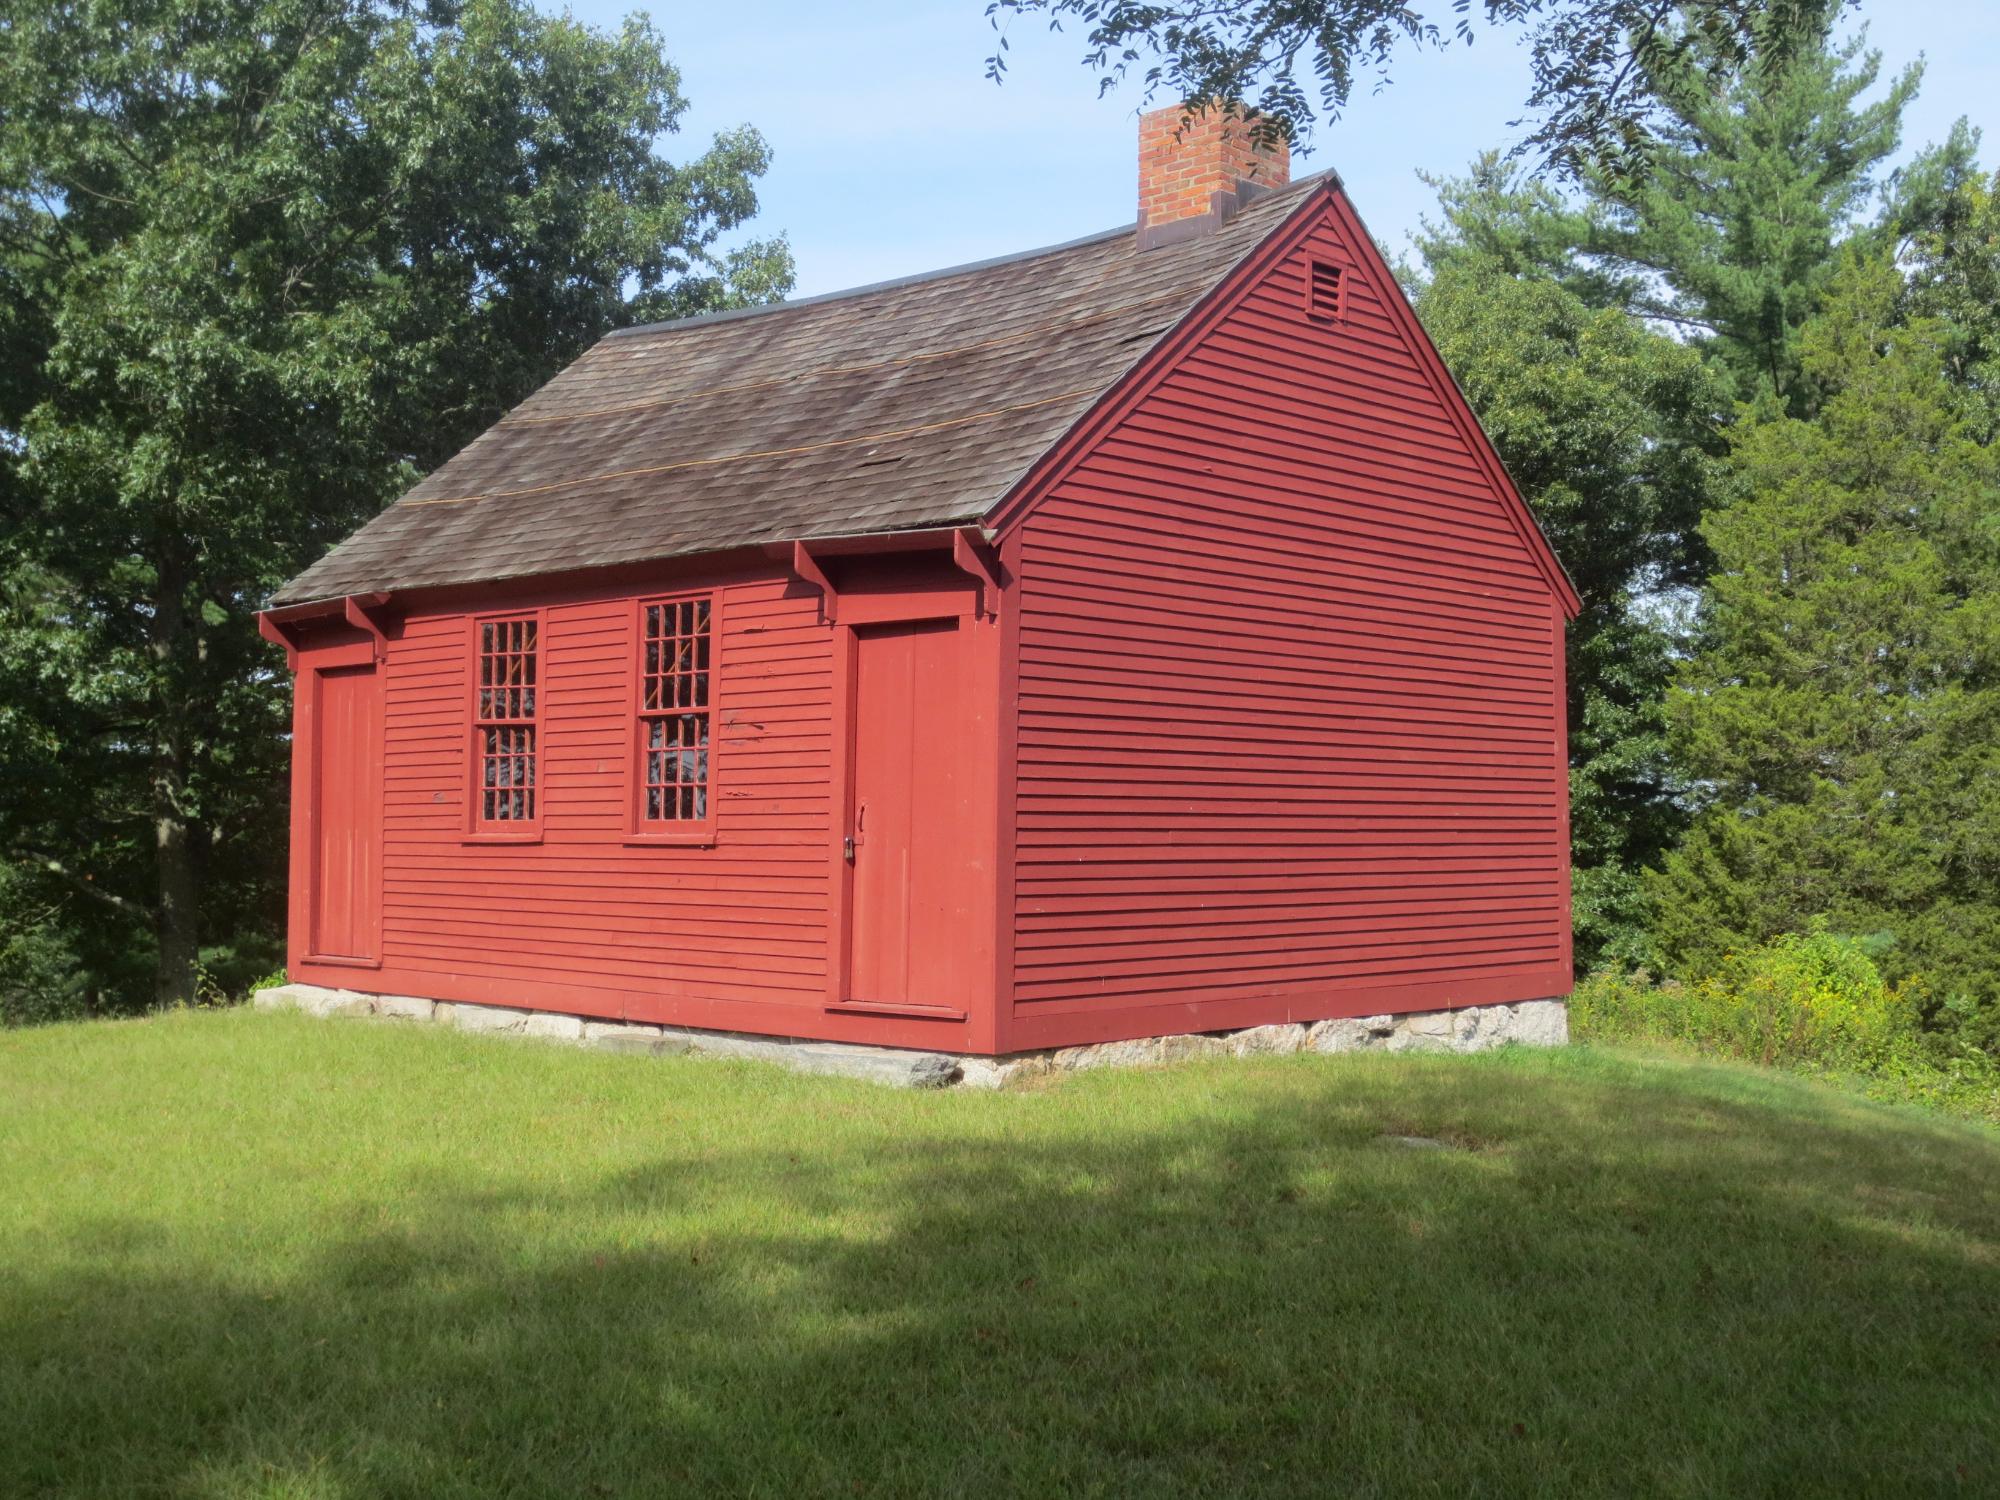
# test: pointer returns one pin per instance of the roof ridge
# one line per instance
(737, 314)
(665, 458)
(734, 314)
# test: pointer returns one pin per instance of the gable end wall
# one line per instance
(1287, 735)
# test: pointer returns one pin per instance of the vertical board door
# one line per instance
(346, 867)
(911, 906)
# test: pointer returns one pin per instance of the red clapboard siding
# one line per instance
(583, 920)
(584, 909)
(1288, 734)
(733, 933)
(1262, 720)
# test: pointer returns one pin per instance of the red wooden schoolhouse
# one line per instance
(1128, 638)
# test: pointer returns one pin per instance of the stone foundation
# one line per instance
(1533, 1023)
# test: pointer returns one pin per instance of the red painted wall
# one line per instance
(740, 935)
(1286, 739)
(1270, 726)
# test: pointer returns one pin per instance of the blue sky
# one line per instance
(894, 154)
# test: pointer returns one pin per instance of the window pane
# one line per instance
(675, 653)
(504, 708)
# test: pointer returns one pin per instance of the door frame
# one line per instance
(859, 611)
(314, 661)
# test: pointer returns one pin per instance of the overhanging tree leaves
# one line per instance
(1298, 61)
(268, 260)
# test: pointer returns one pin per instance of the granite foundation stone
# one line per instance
(1534, 1023)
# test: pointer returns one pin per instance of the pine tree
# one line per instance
(1841, 722)
(1944, 218)
(1726, 249)
(1731, 234)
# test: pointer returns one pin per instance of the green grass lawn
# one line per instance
(249, 1254)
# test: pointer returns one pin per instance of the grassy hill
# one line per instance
(247, 1254)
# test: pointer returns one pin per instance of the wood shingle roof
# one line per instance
(912, 404)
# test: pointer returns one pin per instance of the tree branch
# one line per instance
(80, 882)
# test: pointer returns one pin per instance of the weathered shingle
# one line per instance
(908, 405)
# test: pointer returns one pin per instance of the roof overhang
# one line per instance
(969, 547)
(280, 626)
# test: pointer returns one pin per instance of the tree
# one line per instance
(1611, 430)
(268, 261)
(1730, 244)
(1944, 214)
(1593, 60)
(1757, 176)
(1841, 721)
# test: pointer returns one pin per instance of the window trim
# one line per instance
(509, 831)
(700, 832)
(1315, 264)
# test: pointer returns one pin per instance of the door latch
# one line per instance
(847, 848)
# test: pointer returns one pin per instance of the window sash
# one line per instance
(675, 754)
(505, 702)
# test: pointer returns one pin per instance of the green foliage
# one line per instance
(262, 263)
(268, 981)
(40, 978)
(1817, 1002)
(1830, 740)
(1841, 722)
(1625, 812)
(1608, 426)
(1815, 998)
(1610, 429)
(1946, 217)
(1593, 62)
(229, 974)
(1731, 237)
(1730, 234)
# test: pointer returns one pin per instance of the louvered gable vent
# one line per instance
(1323, 292)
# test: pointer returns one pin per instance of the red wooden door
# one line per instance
(910, 907)
(346, 869)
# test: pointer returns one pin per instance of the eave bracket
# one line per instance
(278, 634)
(971, 554)
(279, 626)
(807, 567)
(358, 616)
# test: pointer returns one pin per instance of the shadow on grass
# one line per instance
(1599, 1288)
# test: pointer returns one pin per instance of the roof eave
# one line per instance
(931, 535)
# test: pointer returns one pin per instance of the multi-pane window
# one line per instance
(503, 718)
(675, 678)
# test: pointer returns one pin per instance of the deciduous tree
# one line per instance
(1612, 431)
(263, 263)
(1297, 61)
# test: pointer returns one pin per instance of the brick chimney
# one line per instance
(1193, 179)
